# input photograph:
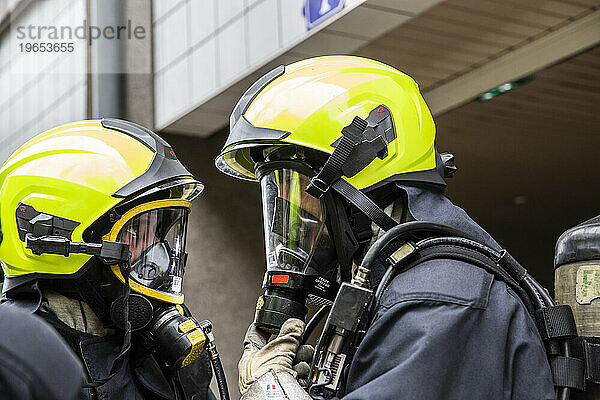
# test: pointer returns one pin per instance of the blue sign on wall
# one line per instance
(317, 11)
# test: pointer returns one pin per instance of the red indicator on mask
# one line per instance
(280, 278)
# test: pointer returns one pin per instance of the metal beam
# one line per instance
(565, 42)
(106, 62)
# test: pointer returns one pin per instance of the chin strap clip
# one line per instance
(361, 142)
(109, 252)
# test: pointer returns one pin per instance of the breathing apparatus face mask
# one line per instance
(157, 239)
(293, 220)
(299, 249)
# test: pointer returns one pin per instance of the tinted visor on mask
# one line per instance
(156, 239)
(294, 222)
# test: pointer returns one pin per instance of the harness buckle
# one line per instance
(317, 187)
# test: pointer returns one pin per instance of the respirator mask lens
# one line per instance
(293, 220)
(156, 239)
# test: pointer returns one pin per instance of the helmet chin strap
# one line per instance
(125, 270)
(346, 238)
(364, 204)
(362, 142)
(398, 211)
(118, 362)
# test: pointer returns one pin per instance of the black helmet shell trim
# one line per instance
(164, 165)
(245, 135)
(249, 95)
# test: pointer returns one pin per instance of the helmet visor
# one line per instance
(293, 220)
(156, 239)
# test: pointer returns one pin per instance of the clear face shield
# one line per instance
(294, 221)
(156, 239)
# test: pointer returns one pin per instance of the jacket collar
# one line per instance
(426, 205)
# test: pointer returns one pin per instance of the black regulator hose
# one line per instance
(531, 288)
(407, 229)
(220, 377)
(313, 322)
(403, 231)
(215, 359)
(499, 257)
(389, 272)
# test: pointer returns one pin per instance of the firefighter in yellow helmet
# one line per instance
(343, 150)
(94, 218)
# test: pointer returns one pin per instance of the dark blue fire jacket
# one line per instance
(35, 362)
(449, 330)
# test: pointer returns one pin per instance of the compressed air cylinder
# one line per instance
(577, 283)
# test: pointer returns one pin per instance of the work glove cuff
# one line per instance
(276, 385)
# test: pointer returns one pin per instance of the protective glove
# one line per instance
(274, 360)
(301, 365)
